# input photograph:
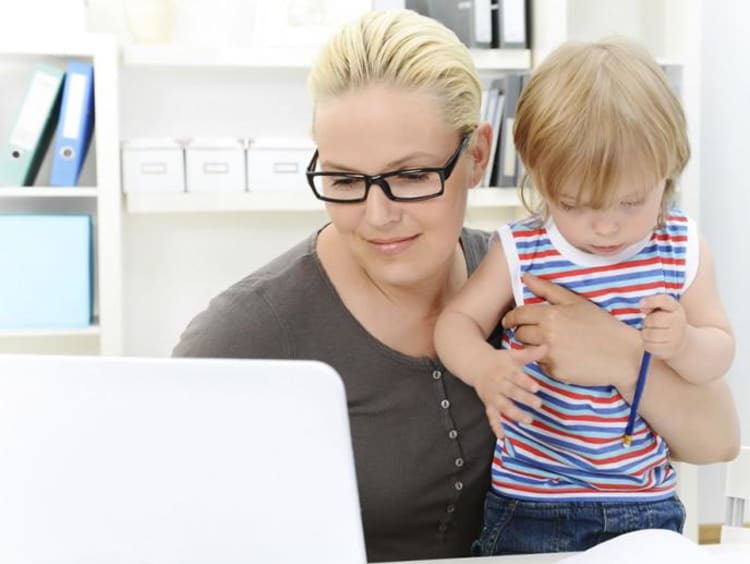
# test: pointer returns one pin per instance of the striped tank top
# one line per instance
(573, 448)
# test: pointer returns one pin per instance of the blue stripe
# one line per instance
(574, 464)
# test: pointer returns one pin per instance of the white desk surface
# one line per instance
(723, 553)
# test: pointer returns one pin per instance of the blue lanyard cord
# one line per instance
(627, 439)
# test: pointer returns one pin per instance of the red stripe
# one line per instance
(627, 455)
(580, 396)
(529, 232)
(599, 488)
(633, 288)
(670, 237)
(586, 440)
(538, 254)
(625, 311)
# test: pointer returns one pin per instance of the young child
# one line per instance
(603, 140)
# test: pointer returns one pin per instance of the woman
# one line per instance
(397, 93)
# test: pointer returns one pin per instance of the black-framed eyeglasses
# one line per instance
(406, 185)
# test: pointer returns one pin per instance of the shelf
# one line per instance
(91, 331)
(47, 192)
(185, 202)
(74, 45)
(283, 57)
(181, 56)
(494, 198)
(502, 59)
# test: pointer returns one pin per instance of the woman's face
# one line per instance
(381, 129)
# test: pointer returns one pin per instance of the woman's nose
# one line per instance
(379, 209)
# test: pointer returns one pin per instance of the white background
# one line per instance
(173, 264)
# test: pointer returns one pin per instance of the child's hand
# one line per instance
(502, 381)
(664, 326)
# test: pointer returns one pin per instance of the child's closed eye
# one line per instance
(632, 203)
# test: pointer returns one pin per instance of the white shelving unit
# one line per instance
(282, 57)
(102, 199)
(204, 61)
(48, 192)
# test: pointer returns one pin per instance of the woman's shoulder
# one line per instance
(248, 319)
(474, 243)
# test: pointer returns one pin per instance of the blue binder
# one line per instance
(22, 153)
(75, 124)
(46, 265)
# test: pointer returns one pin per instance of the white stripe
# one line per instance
(692, 255)
(511, 257)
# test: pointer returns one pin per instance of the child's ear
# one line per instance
(480, 151)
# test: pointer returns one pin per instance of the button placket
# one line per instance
(457, 462)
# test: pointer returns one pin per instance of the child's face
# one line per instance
(607, 231)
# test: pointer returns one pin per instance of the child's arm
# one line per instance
(461, 342)
(692, 336)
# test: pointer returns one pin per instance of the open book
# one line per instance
(645, 547)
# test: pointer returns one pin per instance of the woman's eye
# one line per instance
(413, 176)
(341, 182)
(565, 206)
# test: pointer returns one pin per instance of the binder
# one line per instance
(47, 266)
(521, 172)
(494, 112)
(75, 124)
(22, 153)
(468, 19)
(507, 165)
(511, 22)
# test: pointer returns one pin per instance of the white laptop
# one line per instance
(161, 461)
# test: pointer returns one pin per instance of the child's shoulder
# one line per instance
(527, 224)
(676, 221)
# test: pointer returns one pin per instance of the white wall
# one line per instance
(174, 264)
(725, 193)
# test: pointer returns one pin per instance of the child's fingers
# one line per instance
(659, 320)
(664, 302)
(524, 389)
(503, 404)
(528, 354)
(655, 335)
(496, 423)
(517, 414)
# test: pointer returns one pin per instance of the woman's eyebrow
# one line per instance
(393, 165)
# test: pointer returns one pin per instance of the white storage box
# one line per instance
(215, 165)
(153, 165)
(278, 164)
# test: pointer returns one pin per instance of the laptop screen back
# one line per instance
(122, 460)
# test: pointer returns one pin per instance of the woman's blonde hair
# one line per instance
(593, 114)
(403, 49)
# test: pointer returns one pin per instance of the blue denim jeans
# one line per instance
(513, 526)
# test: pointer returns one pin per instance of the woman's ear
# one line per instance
(480, 151)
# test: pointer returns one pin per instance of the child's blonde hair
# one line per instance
(403, 49)
(594, 113)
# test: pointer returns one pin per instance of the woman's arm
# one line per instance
(694, 335)
(587, 346)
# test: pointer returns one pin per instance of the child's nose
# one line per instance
(605, 225)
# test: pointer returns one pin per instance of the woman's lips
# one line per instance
(392, 245)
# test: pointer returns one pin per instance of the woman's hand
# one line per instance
(585, 344)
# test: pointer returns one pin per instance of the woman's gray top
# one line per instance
(422, 444)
